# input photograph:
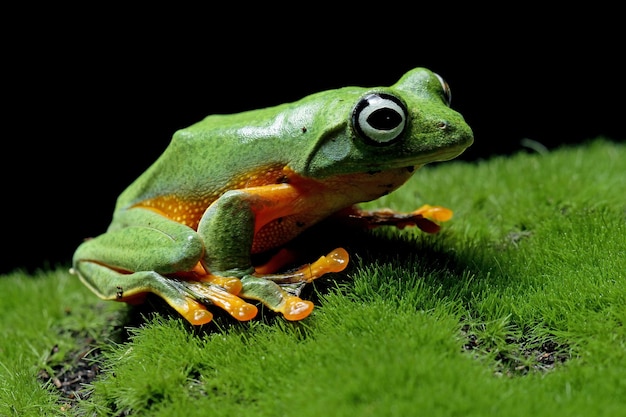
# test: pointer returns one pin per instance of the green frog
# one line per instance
(233, 186)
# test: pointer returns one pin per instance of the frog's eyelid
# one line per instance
(446, 89)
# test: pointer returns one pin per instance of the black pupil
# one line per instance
(384, 119)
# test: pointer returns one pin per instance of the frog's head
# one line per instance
(406, 125)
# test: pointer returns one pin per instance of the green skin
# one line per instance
(318, 138)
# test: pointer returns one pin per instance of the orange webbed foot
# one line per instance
(232, 304)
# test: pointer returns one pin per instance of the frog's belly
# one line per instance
(282, 230)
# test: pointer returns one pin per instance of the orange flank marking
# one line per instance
(188, 209)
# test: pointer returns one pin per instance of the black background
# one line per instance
(92, 98)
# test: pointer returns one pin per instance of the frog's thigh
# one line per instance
(112, 285)
(274, 297)
(167, 249)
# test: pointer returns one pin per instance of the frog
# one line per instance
(233, 186)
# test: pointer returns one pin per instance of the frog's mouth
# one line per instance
(442, 154)
(422, 158)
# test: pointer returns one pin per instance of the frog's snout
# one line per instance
(456, 135)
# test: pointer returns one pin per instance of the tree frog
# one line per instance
(232, 186)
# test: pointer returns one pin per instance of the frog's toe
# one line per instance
(211, 294)
(335, 261)
(230, 284)
(296, 309)
(436, 213)
(233, 305)
(194, 312)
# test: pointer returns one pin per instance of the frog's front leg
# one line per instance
(229, 228)
(427, 217)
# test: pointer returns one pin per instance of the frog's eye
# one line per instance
(379, 118)
(447, 94)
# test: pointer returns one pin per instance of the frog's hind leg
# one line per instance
(280, 292)
(188, 298)
(109, 284)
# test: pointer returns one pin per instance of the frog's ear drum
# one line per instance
(379, 118)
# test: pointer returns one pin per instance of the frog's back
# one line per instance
(225, 152)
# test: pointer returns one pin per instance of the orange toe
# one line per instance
(437, 213)
(297, 309)
(233, 305)
(335, 261)
(195, 313)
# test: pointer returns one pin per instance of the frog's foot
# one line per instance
(209, 289)
(279, 292)
(191, 298)
(275, 298)
(110, 284)
(211, 294)
(427, 218)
